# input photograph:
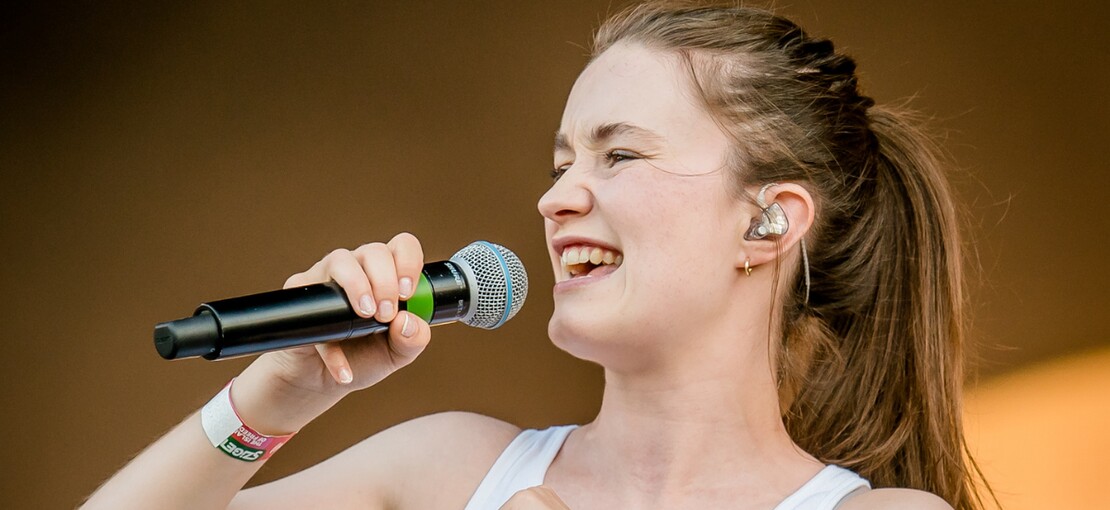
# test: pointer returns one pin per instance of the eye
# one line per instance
(558, 172)
(618, 155)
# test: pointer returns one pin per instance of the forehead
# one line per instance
(630, 83)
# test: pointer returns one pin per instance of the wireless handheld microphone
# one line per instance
(482, 285)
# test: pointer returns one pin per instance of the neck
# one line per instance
(692, 426)
(685, 422)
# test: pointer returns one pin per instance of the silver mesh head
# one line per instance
(500, 281)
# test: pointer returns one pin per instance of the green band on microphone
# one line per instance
(421, 302)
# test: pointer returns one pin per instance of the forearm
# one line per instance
(183, 469)
(180, 470)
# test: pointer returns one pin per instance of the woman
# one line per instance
(766, 265)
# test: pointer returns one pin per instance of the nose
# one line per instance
(569, 197)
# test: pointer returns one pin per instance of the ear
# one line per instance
(797, 205)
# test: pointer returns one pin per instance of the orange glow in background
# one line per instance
(1042, 434)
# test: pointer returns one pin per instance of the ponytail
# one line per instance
(881, 390)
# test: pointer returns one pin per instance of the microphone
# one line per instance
(482, 285)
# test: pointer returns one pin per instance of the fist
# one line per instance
(535, 498)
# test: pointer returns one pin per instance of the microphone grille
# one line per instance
(501, 282)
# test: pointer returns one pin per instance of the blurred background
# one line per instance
(158, 155)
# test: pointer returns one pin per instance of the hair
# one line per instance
(870, 366)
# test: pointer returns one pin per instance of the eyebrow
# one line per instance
(606, 132)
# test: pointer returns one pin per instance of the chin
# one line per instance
(605, 342)
(575, 336)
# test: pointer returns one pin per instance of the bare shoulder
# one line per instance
(434, 461)
(446, 438)
(437, 461)
(907, 499)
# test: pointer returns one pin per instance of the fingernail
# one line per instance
(386, 309)
(405, 287)
(366, 305)
(408, 328)
(345, 376)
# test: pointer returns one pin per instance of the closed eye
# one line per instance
(619, 155)
(558, 172)
(611, 158)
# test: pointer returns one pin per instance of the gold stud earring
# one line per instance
(747, 266)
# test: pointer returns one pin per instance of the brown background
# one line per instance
(158, 156)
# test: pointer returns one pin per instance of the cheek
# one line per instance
(660, 211)
(678, 232)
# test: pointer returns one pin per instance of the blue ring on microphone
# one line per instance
(508, 282)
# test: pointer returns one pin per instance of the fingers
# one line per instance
(379, 270)
(336, 362)
(408, 256)
(348, 271)
(408, 336)
(375, 277)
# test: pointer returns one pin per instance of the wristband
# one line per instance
(227, 432)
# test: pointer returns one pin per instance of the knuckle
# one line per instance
(335, 256)
(407, 238)
(369, 250)
(337, 253)
(405, 242)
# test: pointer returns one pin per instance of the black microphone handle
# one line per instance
(287, 318)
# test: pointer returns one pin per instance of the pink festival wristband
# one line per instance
(227, 432)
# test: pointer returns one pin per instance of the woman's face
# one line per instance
(643, 190)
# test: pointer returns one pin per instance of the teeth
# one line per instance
(578, 255)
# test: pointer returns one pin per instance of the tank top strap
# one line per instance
(522, 465)
(827, 489)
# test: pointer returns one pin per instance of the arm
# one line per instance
(282, 391)
(431, 462)
(183, 470)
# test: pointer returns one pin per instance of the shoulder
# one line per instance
(454, 423)
(907, 499)
(448, 437)
(436, 461)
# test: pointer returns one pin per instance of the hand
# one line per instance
(535, 498)
(376, 277)
(284, 390)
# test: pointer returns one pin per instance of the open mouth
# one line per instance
(585, 260)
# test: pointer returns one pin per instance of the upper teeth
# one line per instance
(590, 254)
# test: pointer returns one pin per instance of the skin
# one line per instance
(689, 418)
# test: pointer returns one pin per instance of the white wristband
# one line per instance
(227, 432)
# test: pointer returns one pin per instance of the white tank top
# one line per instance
(524, 464)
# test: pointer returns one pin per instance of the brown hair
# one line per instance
(870, 367)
